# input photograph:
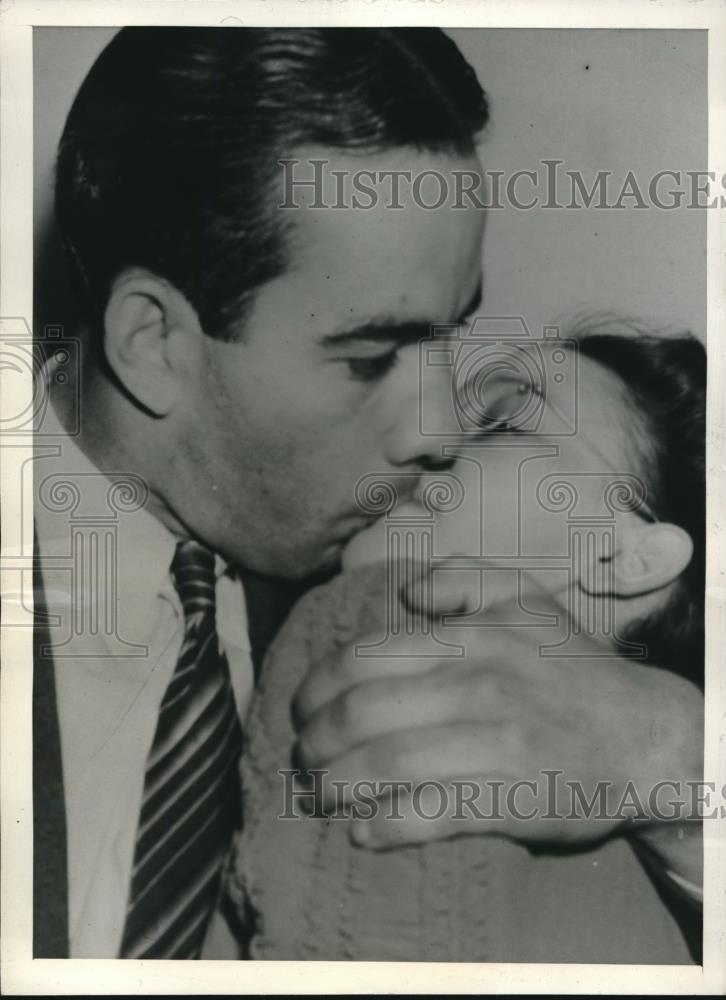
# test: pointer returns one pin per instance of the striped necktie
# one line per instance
(191, 801)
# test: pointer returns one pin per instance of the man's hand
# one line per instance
(499, 718)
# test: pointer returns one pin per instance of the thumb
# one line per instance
(440, 591)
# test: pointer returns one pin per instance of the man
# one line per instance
(243, 368)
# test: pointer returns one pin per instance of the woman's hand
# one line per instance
(571, 749)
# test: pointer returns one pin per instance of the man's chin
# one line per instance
(313, 567)
(311, 562)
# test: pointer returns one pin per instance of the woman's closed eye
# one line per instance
(508, 406)
(503, 416)
(503, 426)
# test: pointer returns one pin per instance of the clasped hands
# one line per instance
(497, 719)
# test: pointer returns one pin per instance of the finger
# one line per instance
(436, 592)
(355, 665)
(386, 705)
(431, 812)
(521, 809)
(438, 752)
(448, 588)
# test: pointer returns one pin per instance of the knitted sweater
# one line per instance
(312, 894)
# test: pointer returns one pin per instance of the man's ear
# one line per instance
(151, 335)
(647, 557)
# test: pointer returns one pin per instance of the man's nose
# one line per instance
(425, 432)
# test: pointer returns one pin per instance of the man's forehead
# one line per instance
(346, 204)
(398, 175)
(370, 265)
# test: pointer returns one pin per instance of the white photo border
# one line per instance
(24, 975)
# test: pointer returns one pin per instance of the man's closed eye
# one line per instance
(368, 369)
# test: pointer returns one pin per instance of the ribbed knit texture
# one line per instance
(470, 898)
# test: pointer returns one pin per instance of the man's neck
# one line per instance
(111, 435)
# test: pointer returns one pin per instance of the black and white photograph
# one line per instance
(362, 488)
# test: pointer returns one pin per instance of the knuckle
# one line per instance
(350, 663)
(347, 658)
(301, 704)
(514, 743)
(385, 759)
(480, 687)
(349, 710)
(310, 693)
(344, 710)
(305, 749)
(479, 692)
(499, 684)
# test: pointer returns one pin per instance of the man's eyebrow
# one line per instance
(381, 329)
(391, 329)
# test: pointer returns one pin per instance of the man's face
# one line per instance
(323, 386)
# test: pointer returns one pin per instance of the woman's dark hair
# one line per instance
(169, 157)
(666, 379)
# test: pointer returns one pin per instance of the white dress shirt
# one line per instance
(111, 675)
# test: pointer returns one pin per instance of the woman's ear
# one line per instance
(647, 557)
(149, 332)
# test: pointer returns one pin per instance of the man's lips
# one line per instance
(358, 523)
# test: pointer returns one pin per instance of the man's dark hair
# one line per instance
(666, 379)
(169, 158)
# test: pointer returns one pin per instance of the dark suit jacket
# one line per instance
(50, 864)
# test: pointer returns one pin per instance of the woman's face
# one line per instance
(527, 484)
